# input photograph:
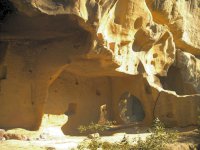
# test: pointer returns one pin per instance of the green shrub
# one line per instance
(97, 143)
(156, 141)
(94, 127)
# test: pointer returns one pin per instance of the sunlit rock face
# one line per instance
(73, 56)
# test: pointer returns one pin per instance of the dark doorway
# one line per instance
(131, 109)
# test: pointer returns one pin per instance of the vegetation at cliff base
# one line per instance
(157, 140)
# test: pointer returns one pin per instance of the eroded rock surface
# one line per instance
(86, 53)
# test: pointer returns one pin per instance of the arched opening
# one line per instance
(78, 98)
(130, 108)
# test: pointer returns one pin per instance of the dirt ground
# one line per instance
(51, 137)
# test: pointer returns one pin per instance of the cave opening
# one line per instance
(39, 47)
(81, 102)
(131, 109)
(6, 8)
(174, 81)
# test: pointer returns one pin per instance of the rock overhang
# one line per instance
(115, 39)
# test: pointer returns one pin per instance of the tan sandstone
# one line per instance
(73, 56)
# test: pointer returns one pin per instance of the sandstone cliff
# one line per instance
(86, 53)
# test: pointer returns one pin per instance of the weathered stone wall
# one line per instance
(87, 93)
(149, 48)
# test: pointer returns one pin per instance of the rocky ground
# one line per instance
(52, 138)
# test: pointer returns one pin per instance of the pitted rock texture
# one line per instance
(58, 54)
